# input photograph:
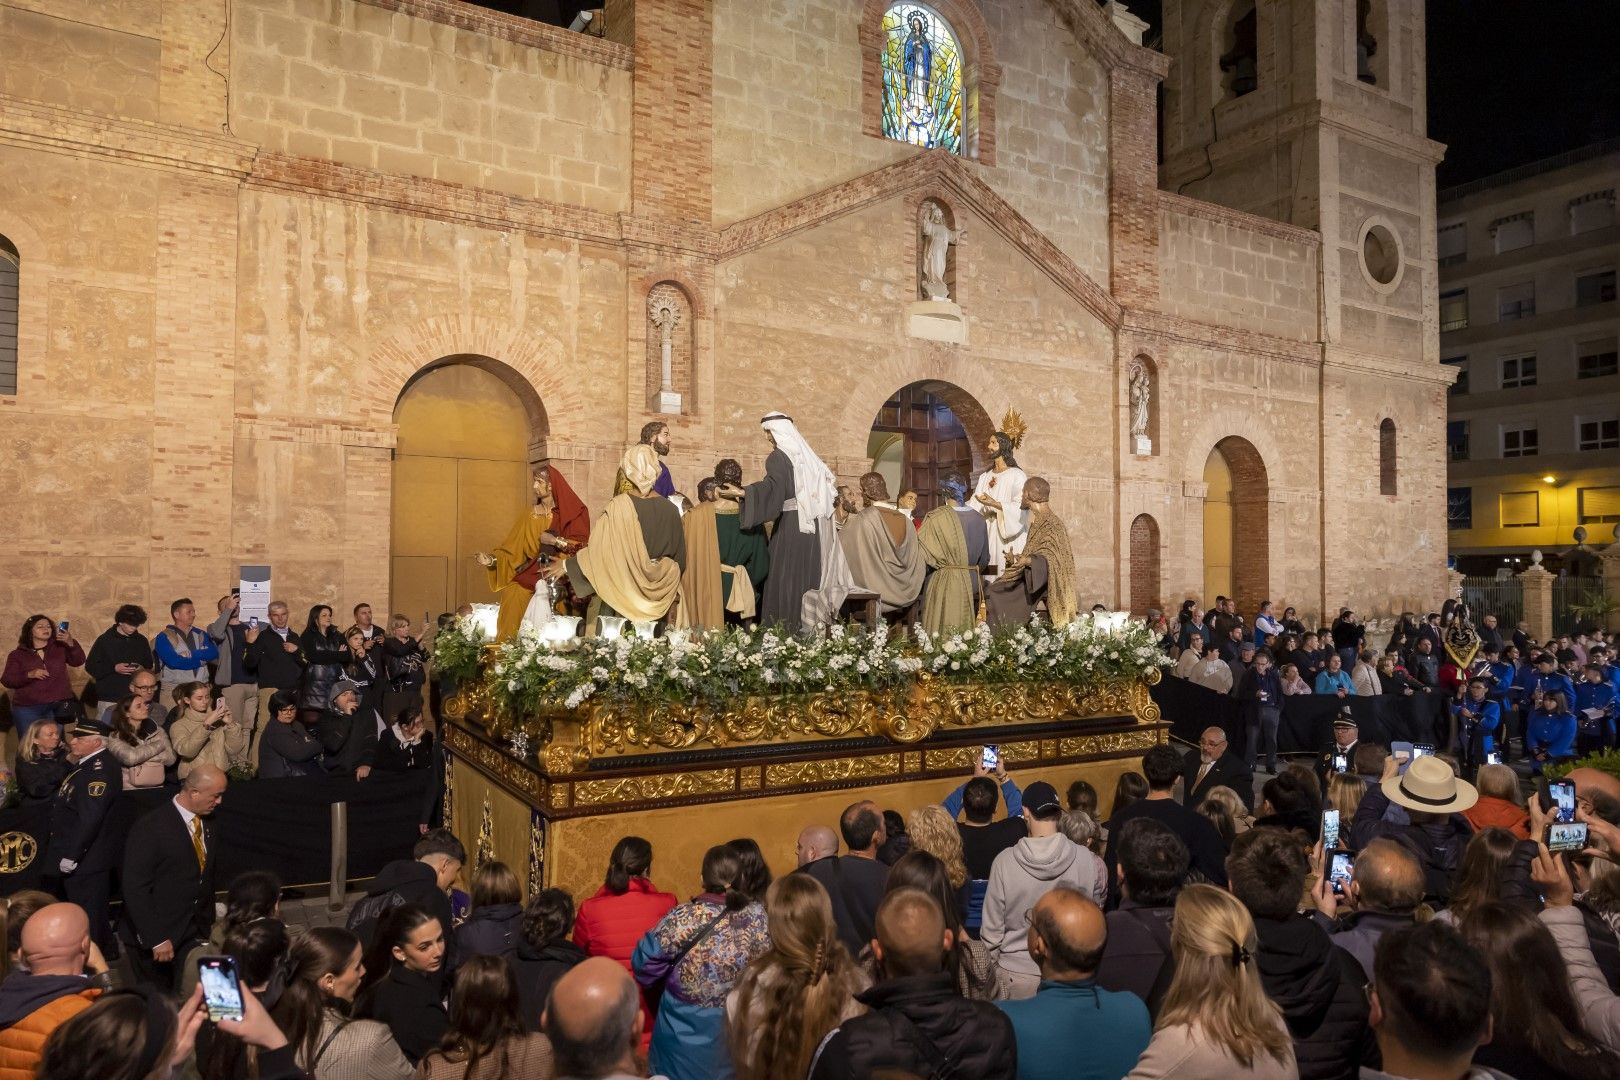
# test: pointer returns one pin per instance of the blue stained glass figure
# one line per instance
(922, 78)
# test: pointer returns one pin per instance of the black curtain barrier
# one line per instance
(279, 825)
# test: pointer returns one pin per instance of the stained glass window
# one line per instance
(922, 78)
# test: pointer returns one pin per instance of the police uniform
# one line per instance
(1324, 761)
(82, 849)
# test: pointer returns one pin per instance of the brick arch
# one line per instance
(1251, 512)
(981, 75)
(958, 384)
(1144, 565)
(533, 365)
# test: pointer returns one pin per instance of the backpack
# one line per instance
(365, 916)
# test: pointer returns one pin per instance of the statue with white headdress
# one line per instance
(809, 577)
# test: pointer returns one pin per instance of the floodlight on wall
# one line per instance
(1549, 479)
(581, 21)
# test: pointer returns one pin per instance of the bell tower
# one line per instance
(1312, 113)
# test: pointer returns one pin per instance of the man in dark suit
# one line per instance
(82, 848)
(1213, 766)
(169, 879)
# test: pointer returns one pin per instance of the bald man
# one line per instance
(855, 881)
(594, 1022)
(169, 879)
(918, 1019)
(1214, 765)
(1386, 890)
(1067, 933)
(816, 842)
(53, 989)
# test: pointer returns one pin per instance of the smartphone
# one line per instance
(1340, 763)
(1340, 872)
(1494, 757)
(1566, 836)
(222, 990)
(990, 758)
(1330, 830)
(1563, 800)
(1421, 749)
(253, 623)
(62, 626)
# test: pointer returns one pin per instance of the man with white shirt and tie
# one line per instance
(1212, 766)
(169, 879)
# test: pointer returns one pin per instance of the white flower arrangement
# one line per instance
(529, 675)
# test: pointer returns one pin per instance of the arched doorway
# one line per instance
(1237, 560)
(928, 429)
(469, 431)
(1145, 565)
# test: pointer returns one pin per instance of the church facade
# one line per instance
(314, 283)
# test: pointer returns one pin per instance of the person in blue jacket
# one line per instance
(1547, 679)
(1594, 694)
(1550, 734)
(1333, 680)
(1477, 719)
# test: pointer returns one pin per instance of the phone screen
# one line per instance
(1340, 872)
(1330, 830)
(222, 994)
(1494, 757)
(1421, 750)
(1340, 763)
(254, 622)
(1566, 836)
(1563, 798)
(990, 758)
(62, 626)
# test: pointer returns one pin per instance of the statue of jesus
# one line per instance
(937, 240)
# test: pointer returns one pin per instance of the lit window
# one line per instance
(1454, 310)
(1599, 435)
(922, 79)
(1595, 359)
(1518, 371)
(1520, 509)
(1516, 302)
(1594, 288)
(1599, 505)
(1459, 508)
(1454, 244)
(1520, 442)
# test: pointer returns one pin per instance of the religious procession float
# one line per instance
(559, 745)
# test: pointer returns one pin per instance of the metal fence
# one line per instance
(1569, 593)
(1502, 597)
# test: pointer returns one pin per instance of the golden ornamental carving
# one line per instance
(455, 706)
(956, 758)
(486, 834)
(1112, 742)
(651, 788)
(537, 853)
(493, 761)
(830, 770)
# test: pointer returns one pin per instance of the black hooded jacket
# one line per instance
(1318, 986)
(920, 1025)
(537, 971)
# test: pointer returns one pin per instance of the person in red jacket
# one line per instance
(627, 905)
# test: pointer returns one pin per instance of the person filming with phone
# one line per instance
(36, 671)
(238, 687)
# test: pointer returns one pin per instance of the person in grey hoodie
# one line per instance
(1024, 873)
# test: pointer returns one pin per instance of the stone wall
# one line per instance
(396, 91)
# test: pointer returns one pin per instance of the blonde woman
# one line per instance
(1216, 1019)
(1232, 803)
(932, 830)
(1344, 795)
(801, 988)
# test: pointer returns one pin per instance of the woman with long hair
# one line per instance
(970, 960)
(934, 831)
(544, 953)
(324, 973)
(326, 652)
(1536, 1026)
(487, 1039)
(204, 732)
(404, 984)
(696, 954)
(251, 895)
(1127, 789)
(1216, 1019)
(42, 761)
(801, 988)
(492, 926)
(36, 671)
(1344, 792)
(753, 875)
(1480, 876)
(259, 949)
(139, 743)
(613, 921)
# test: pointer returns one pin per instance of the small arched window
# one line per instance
(922, 78)
(1240, 63)
(1386, 457)
(10, 279)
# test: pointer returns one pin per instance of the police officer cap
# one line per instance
(85, 728)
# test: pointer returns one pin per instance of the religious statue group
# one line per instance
(792, 549)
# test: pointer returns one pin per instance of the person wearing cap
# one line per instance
(1476, 719)
(349, 739)
(1340, 756)
(1435, 830)
(1024, 873)
(1240, 666)
(82, 850)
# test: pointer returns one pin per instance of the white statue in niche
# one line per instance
(937, 240)
(665, 317)
(1141, 389)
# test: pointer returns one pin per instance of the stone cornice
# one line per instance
(1093, 27)
(937, 169)
(44, 126)
(1339, 358)
(1268, 130)
(513, 28)
(1207, 335)
(1225, 215)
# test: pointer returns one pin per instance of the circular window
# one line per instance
(1381, 255)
